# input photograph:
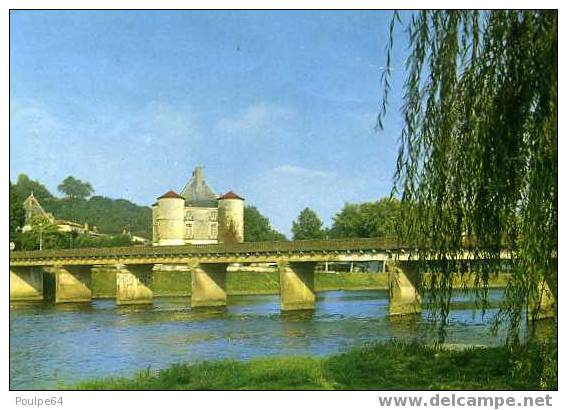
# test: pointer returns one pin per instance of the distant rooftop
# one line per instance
(33, 208)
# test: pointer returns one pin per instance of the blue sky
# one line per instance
(277, 106)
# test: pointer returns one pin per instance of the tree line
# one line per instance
(365, 220)
(115, 217)
(119, 219)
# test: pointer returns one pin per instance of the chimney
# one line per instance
(198, 175)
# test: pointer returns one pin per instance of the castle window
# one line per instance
(214, 231)
(188, 216)
(214, 216)
(189, 231)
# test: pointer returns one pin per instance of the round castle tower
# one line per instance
(170, 210)
(231, 217)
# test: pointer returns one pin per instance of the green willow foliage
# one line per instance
(477, 166)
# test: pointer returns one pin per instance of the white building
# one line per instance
(197, 215)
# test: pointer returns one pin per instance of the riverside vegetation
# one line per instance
(380, 366)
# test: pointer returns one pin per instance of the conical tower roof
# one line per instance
(171, 194)
(231, 195)
(197, 192)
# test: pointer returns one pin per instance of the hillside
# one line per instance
(110, 216)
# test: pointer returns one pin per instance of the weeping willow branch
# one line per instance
(477, 164)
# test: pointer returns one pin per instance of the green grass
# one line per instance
(171, 283)
(103, 283)
(165, 283)
(467, 281)
(381, 366)
(178, 283)
(350, 280)
(252, 283)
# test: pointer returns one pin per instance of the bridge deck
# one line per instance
(250, 251)
(367, 249)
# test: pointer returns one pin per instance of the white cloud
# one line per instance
(160, 118)
(35, 135)
(33, 117)
(257, 118)
(50, 146)
(157, 119)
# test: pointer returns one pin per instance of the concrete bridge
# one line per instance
(296, 260)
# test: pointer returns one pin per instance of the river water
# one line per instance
(55, 344)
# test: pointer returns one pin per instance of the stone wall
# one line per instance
(203, 222)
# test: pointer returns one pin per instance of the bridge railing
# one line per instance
(329, 245)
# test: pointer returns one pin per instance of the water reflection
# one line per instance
(51, 344)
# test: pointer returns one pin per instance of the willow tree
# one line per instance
(477, 163)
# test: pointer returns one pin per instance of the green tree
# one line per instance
(367, 220)
(75, 188)
(87, 241)
(257, 227)
(478, 154)
(17, 213)
(347, 223)
(44, 235)
(24, 186)
(308, 226)
(228, 234)
(110, 216)
(381, 218)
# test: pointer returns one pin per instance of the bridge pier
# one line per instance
(26, 283)
(72, 283)
(133, 284)
(403, 279)
(208, 284)
(297, 285)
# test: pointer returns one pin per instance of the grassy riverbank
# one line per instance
(178, 283)
(383, 366)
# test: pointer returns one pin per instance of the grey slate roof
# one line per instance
(197, 192)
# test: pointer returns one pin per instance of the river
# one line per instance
(53, 344)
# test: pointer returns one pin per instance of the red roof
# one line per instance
(171, 194)
(231, 195)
